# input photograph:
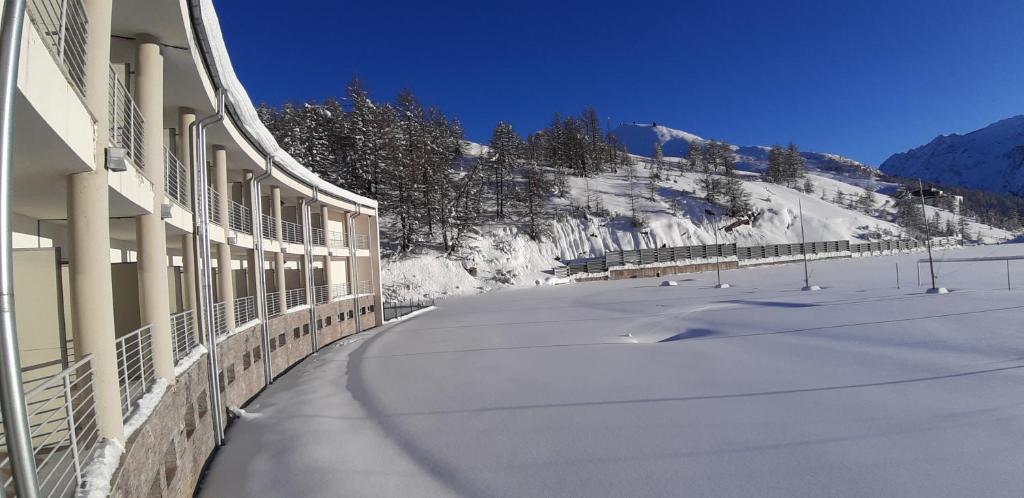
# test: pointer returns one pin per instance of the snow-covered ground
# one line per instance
(504, 257)
(860, 389)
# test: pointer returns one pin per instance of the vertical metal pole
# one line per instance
(897, 276)
(1008, 275)
(803, 245)
(12, 396)
(918, 265)
(718, 254)
(72, 432)
(927, 232)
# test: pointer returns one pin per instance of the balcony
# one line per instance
(176, 183)
(318, 237)
(220, 321)
(362, 241)
(364, 287)
(291, 232)
(64, 28)
(239, 217)
(336, 240)
(294, 298)
(135, 372)
(339, 290)
(126, 125)
(183, 333)
(321, 294)
(273, 303)
(245, 309)
(269, 227)
(216, 215)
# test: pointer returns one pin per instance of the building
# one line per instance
(169, 259)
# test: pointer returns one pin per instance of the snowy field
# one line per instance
(860, 389)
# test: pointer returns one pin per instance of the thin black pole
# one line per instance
(927, 232)
(718, 254)
(897, 276)
(803, 246)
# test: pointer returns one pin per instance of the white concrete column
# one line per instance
(282, 282)
(186, 116)
(154, 301)
(191, 291)
(225, 281)
(325, 215)
(92, 296)
(275, 210)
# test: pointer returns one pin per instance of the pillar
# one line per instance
(325, 216)
(224, 277)
(154, 300)
(375, 285)
(191, 291)
(92, 296)
(282, 283)
(275, 210)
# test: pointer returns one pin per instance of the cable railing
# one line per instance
(216, 216)
(339, 290)
(126, 125)
(294, 297)
(64, 27)
(134, 367)
(63, 427)
(273, 303)
(318, 237)
(364, 287)
(291, 232)
(239, 217)
(336, 240)
(397, 310)
(321, 294)
(245, 309)
(362, 241)
(220, 319)
(176, 180)
(183, 333)
(269, 227)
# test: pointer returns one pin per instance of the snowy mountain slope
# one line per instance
(504, 257)
(640, 140)
(991, 158)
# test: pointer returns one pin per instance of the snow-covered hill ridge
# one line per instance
(991, 158)
(640, 140)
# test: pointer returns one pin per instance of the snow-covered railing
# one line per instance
(126, 125)
(396, 310)
(362, 241)
(176, 180)
(183, 332)
(321, 294)
(291, 232)
(64, 27)
(239, 217)
(245, 309)
(134, 367)
(220, 321)
(364, 287)
(317, 236)
(336, 240)
(62, 424)
(294, 297)
(269, 227)
(339, 290)
(273, 303)
(216, 216)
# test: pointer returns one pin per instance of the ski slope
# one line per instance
(861, 389)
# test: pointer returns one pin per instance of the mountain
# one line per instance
(991, 158)
(640, 139)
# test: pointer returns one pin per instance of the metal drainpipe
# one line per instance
(12, 396)
(307, 236)
(354, 251)
(201, 245)
(256, 196)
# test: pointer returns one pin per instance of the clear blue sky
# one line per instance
(858, 78)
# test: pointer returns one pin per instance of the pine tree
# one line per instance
(808, 186)
(536, 189)
(504, 157)
(776, 172)
(866, 201)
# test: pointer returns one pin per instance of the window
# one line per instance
(231, 374)
(327, 321)
(282, 340)
(273, 344)
(362, 310)
(305, 329)
(257, 353)
(319, 324)
(341, 316)
(296, 333)
(246, 361)
(371, 308)
(351, 314)
(201, 406)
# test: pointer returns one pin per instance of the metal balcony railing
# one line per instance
(176, 180)
(291, 232)
(364, 287)
(294, 297)
(183, 332)
(239, 217)
(64, 27)
(134, 367)
(321, 294)
(216, 216)
(269, 227)
(336, 240)
(220, 320)
(318, 237)
(339, 290)
(273, 303)
(63, 428)
(245, 309)
(362, 241)
(126, 125)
